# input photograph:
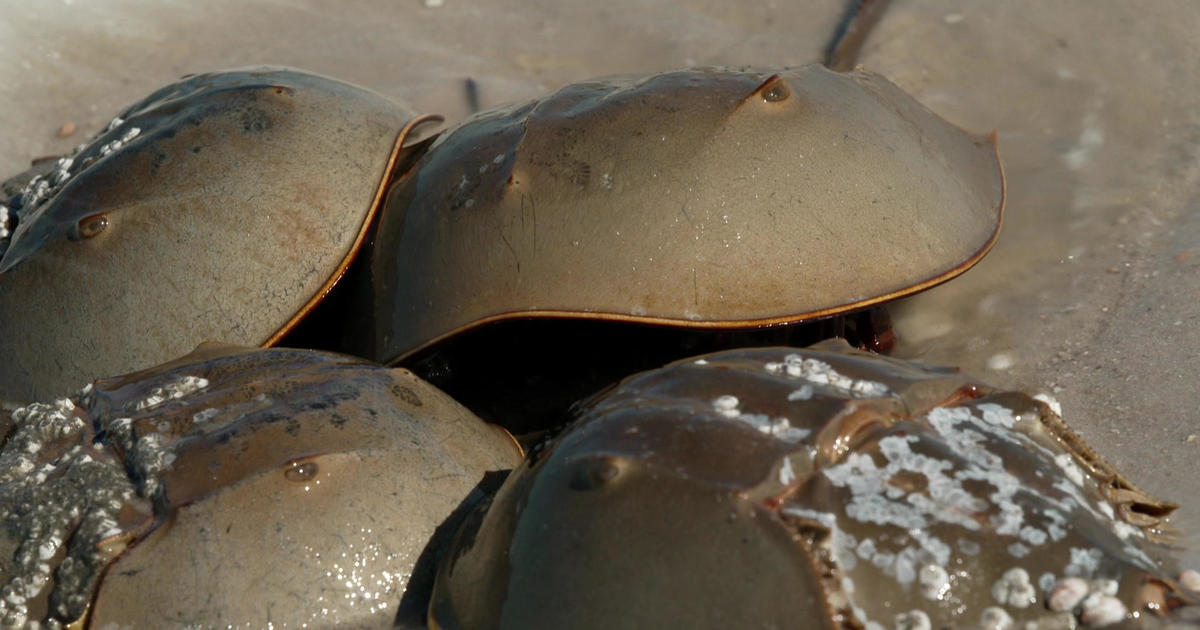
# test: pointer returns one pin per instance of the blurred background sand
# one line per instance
(1091, 293)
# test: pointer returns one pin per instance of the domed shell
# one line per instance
(817, 488)
(220, 207)
(702, 198)
(239, 487)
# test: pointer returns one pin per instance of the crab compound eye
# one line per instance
(90, 227)
(300, 471)
(594, 473)
(775, 89)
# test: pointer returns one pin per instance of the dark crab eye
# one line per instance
(300, 471)
(774, 89)
(90, 227)
(594, 473)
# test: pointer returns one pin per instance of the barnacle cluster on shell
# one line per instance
(21, 203)
(65, 504)
(169, 494)
(905, 497)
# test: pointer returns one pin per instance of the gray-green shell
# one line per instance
(235, 486)
(697, 198)
(232, 202)
(819, 488)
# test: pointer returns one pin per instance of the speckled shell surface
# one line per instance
(817, 488)
(700, 198)
(264, 487)
(233, 200)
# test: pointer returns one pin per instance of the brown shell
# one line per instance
(818, 488)
(702, 198)
(264, 486)
(220, 207)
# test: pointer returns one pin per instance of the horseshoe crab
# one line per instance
(817, 488)
(219, 207)
(703, 199)
(165, 497)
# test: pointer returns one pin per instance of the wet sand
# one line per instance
(1090, 294)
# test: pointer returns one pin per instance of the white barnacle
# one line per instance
(110, 147)
(184, 386)
(782, 429)
(934, 581)
(1017, 550)
(804, 393)
(868, 389)
(826, 519)
(726, 405)
(1190, 579)
(884, 560)
(843, 546)
(1009, 520)
(153, 399)
(932, 545)
(847, 585)
(1124, 530)
(1051, 402)
(1066, 594)
(37, 580)
(60, 176)
(995, 618)
(1100, 610)
(1014, 589)
(997, 415)
(206, 415)
(1068, 466)
(1084, 562)
(913, 620)
(1033, 535)
(1046, 582)
(786, 474)
(866, 549)
(49, 547)
(1056, 529)
(905, 566)
(969, 547)
(1104, 586)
